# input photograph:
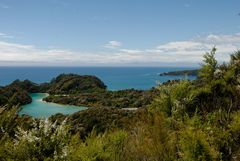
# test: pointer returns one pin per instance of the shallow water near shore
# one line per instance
(42, 109)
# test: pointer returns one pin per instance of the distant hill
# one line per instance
(181, 72)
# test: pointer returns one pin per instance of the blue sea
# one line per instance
(115, 78)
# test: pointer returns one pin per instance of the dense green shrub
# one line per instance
(98, 147)
(44, 141)
(173, 98)
(152, 140)
(12, 95)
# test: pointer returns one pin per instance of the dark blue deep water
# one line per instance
(114, 77)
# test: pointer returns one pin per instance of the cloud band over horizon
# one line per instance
(176, 53)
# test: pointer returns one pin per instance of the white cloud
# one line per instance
(178, 53)
(3, 35)
(195, 48)
(182, 46)
(113, 44)
(131, 51)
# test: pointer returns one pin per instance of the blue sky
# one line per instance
(116, 32)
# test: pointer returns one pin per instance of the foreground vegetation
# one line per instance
(186, 120)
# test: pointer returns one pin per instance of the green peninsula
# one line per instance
(181, 73)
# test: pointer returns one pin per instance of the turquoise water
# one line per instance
(41, 109)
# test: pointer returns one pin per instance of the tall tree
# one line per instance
(209, 66)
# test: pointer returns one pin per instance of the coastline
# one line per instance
(58, 104)
(39, 108)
